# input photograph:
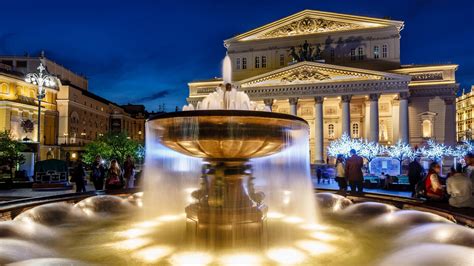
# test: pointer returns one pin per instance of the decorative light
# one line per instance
(286, 255)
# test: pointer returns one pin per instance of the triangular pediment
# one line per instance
(314, 72)
(313, 22)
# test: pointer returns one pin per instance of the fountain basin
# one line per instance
(226, 134)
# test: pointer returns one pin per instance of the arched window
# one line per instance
(355, 130)
(427, 128)
(331, 131)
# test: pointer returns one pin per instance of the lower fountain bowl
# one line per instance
(226, 134)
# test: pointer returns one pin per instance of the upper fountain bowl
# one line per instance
(226, 134)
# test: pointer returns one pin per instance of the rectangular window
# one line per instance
(244, 63)
(257, 62)
(332, 55)
(264, 61)
(353, 54)
(384, 51)
(376, 52)
(237, 63)
(282, 60)
(360, 53)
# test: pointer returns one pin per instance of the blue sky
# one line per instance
(146, 51)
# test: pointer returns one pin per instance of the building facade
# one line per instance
(464, 112)
(71, 116)
(342, 74)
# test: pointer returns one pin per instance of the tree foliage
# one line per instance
(113, 146)
(10, 151)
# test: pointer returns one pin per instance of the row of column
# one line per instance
(346, 119)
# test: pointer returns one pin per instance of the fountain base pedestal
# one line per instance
(228, 212)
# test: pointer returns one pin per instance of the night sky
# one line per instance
(147, 51)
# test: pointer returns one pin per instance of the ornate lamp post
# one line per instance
(42, 80)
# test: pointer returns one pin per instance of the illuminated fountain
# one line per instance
(227, 183)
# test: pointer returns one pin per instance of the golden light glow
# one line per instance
(323, 236)
(191, 258)
(147, 224)
(293, 220)
(312, 227)
(131, 244)
(286, 255)
(132, 233)
(169, 218)
(247, 259)
(275, 215)
(153, 254)
(315, 247)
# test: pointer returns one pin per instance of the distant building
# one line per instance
(464, 115)
(72, 116)
(342, 74)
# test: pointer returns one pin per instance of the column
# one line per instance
(450, 121)
(318, 130)
(293, 105)
(346, 114)
(403, 117)
(374, 117)
(268, 104)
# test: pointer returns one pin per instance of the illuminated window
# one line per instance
(257, 62)
(282, 60)
(360, 53)
(4, 88)
(376, 52)
(384, 51)
(237, 63)
(355, 130)
(333, 55)
(383, 133)
(427, 128)
(353, 54)
(331, 131)
(264, 61)
(244, 63)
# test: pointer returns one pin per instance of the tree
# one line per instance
(113, 146)
(371, 150)
(400, 151)
(435, 151)
(10, 151)
(343, 146)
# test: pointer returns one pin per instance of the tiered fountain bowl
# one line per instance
(228, 210)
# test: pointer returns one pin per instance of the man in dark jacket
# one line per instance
(79, 176)
(353, 171)
(415, 174)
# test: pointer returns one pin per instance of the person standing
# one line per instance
(341, 174)
(114, 176)
(79, 176)
(459, 187)
(353, 171)
(469, 168)
(415, 174)
(433, 187)
(98, 173)
(129, 172)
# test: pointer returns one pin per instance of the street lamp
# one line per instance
(42, 80)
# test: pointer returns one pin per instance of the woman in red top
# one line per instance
(434, 189)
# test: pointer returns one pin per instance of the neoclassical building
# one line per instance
(464, 110)
(342, 74)
(71, 115)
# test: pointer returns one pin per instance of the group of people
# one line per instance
(350, 172)
(457, 188)
(112, 177)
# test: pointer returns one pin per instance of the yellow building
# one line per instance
(72, 116)
(464, 112)
(342, 74)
